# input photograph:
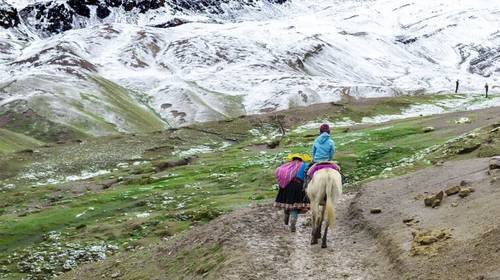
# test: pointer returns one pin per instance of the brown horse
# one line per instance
(326, 183)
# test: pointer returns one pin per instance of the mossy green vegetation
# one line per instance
(121, 102)
(11, 141)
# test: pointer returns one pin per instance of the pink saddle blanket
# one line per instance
(322, 165)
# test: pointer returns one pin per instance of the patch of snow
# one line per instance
(344, 122)
(86, 175)
(143, 215)
(122, 165)
(462, 120)
(201, 149)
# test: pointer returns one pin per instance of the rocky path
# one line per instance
(269, 250)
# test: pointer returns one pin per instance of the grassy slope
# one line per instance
(236, 177)
(39, 118)
(138, 118)
(11, 141)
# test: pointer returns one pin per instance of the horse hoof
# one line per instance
(323, 245)
(314, 242)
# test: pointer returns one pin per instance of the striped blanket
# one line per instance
(286, 172)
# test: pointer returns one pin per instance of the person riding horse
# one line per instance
(292, 176)
(323, 147)
(323, 151)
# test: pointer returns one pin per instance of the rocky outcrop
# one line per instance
(49, 16)
(58, 16)
(9, 16)
(171, 23)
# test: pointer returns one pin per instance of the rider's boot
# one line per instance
(293, 220)
(286, 217)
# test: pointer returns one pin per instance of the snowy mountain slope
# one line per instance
(252, 58)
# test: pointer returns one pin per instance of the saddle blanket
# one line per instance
(322, 165)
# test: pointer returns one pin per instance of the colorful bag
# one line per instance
(286, 172)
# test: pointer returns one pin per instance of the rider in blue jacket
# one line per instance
(323, 147)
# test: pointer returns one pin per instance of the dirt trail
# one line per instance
(268, 250)
(256, 245)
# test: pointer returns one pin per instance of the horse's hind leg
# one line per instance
(314, 239)
(323, 241)
(318, 227)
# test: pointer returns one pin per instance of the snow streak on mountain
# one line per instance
(100, 66)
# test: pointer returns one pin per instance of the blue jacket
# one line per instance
(323, 148)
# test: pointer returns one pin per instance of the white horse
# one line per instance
(326, 183)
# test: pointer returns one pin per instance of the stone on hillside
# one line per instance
(469, 147)
(465, 192)
(495, 162)
(434, 200)
(410, 221)
(464, 183)
(171, 23)
(163, 165)
(26, 151)
(428, 242)
(440, 163)
(428, 129)
(109, 183)
(452, 190)
(375, 211)
(494, 173)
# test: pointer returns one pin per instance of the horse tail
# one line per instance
(333, 193)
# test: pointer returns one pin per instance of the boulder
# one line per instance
(464, 192)
(495, 162)
(465, 183)
(163, 165)
(171, 23)
(428, 129)
(434, 200)
(468, 148)
(452, 190)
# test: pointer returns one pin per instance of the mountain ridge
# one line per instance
(267, 57)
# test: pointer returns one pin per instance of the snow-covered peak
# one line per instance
(49, 17)
(260, 57)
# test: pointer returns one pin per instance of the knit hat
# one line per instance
(324, 128)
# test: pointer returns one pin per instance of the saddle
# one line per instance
(316, 167)
(322, 165)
